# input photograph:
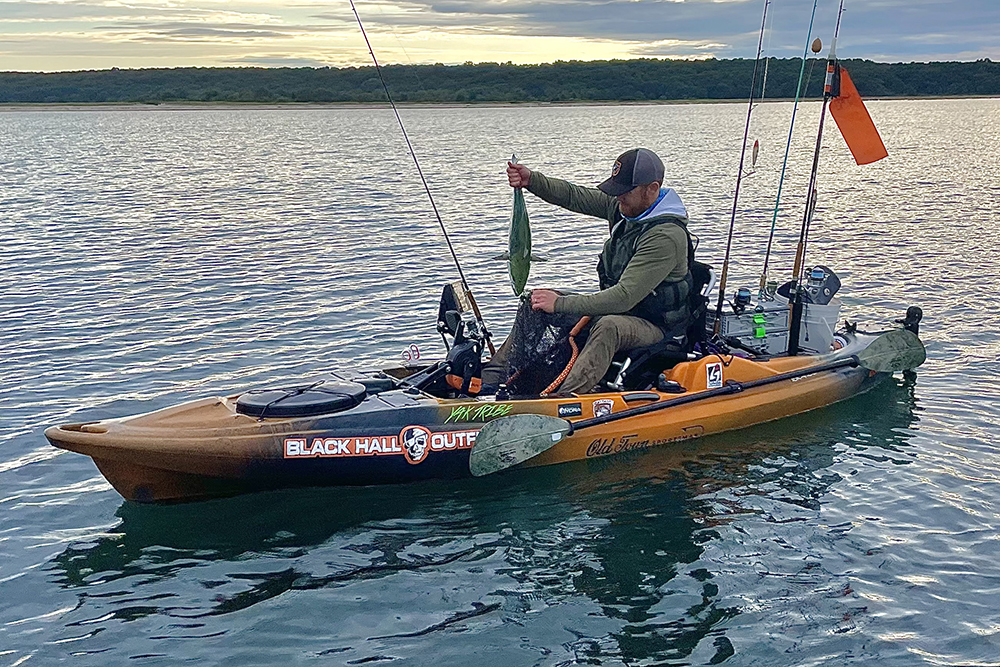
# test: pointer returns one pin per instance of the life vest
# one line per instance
(668, 305)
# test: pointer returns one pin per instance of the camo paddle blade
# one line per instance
(897, 350)
(519, 249)
(505, 442)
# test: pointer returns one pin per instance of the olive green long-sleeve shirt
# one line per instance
(661, 252)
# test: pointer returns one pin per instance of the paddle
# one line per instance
(511, 440)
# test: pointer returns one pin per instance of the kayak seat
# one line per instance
(640, 368)
(319, 398)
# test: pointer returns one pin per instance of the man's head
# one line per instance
(635, 180)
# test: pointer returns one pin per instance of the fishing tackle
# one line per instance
(816, 46)
(830, 90)
(465, 285)
(739, 173)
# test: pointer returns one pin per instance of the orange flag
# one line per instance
(855, 123)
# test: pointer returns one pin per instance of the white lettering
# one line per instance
(293, 447)
(372, 446)
(453, 440)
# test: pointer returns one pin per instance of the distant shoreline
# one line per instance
(234, 106)
(571, 83)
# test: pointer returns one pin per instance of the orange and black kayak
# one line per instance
(377, 430)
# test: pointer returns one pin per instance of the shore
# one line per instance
(232, 106)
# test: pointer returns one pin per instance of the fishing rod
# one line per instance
(816, 46)
(739, 176)
(831, 89)
(458, 265)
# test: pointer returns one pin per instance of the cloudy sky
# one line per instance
(52, 35)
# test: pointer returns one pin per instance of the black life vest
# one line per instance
(668, 305)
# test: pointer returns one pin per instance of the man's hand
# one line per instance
(518, 175)
(544, 300)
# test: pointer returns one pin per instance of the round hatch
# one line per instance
(318, 398)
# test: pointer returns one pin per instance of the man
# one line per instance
(644, 275)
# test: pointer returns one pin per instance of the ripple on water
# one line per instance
(157, 255)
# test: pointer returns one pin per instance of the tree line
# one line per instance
(562, 81)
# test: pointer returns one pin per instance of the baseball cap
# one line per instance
(639, 166)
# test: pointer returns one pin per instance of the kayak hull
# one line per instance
(205, 448)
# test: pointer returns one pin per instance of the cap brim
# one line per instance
(610, 187)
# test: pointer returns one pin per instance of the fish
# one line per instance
(519, 243)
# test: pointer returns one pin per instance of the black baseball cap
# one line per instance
(639, 166)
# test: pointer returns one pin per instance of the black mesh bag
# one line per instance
(540, 349)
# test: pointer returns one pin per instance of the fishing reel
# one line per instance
(463, 367)
(741, 299)
(768, 291)
(464, 363)
(456, 317)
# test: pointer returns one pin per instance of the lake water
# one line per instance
(154, 255)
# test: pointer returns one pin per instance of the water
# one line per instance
(154, 255)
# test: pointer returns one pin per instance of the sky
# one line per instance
(59, 35)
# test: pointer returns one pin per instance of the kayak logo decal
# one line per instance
(479, 413)
(416, 441)
(570, 410)
(631, 442)
(604, 407)
(713, 379)
(299, 448)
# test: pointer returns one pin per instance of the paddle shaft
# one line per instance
(731, 388)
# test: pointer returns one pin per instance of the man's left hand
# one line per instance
(544, 300)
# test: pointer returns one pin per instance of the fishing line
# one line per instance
(414, 69)
(831, 69)
(413, 154)
(767, 57)
(739, 174)
(832, 81)
(762, 289)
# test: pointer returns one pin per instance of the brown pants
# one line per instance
(609, 334)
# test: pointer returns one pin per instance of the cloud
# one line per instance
(217, 32)
(14, 13)
(274, 60)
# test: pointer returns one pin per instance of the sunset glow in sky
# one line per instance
(52, 35)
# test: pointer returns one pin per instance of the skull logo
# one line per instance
(415, 441)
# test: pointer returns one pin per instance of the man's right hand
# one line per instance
(518, 175)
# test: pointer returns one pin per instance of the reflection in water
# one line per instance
(629, 533)
(219, 249)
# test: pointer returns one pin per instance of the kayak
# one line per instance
(383, 428)
(762, 362)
